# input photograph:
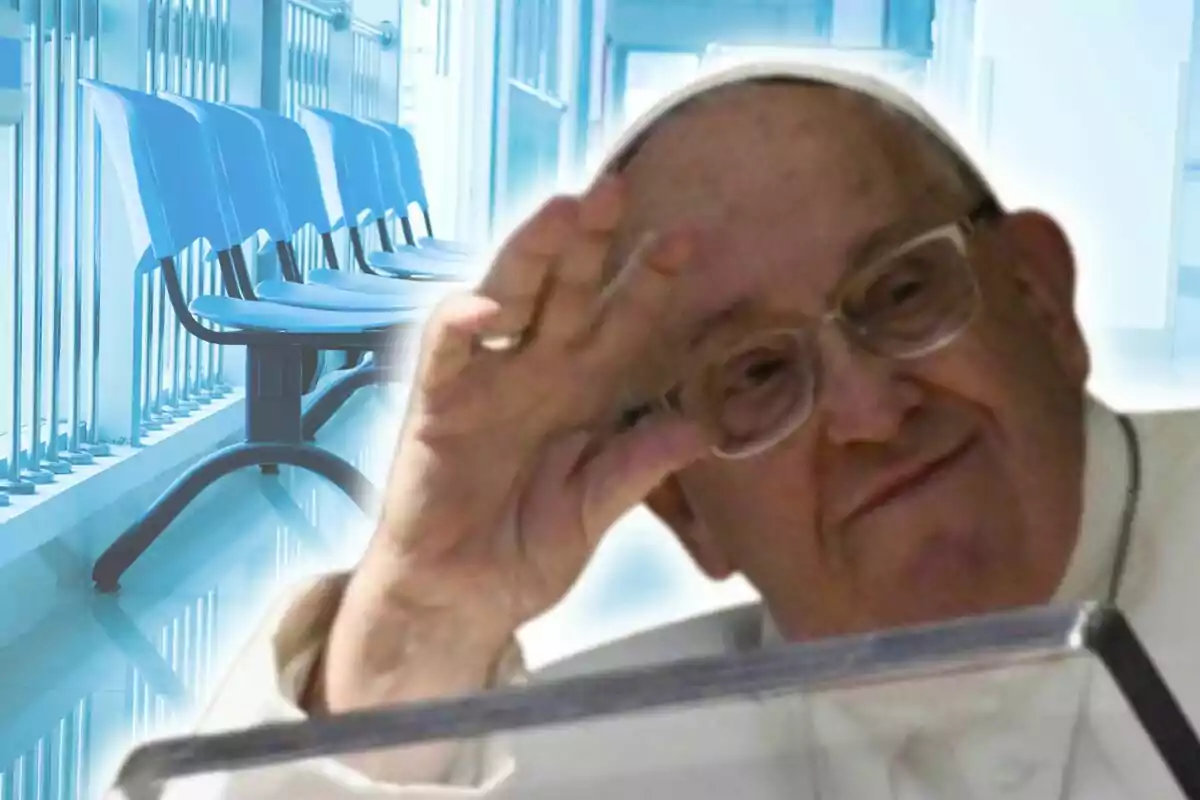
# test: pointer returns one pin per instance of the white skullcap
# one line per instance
(882, 92)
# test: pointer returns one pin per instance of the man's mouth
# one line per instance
(908, 477)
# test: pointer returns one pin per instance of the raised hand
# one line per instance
(510, 465)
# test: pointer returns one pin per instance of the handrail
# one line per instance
(540, 96)
(339, 13)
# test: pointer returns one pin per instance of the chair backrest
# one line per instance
(346, 162)
(171, 200)
(295, 169)
(388, 169)
(407, 155)
(244, 169)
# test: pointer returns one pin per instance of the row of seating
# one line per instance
(227, 175)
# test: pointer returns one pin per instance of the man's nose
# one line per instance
(862, 399)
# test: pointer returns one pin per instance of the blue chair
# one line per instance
(304, 202)
(252, 199)
(172, 202)
(395, 201)
(256, 198)
(348, 166)
(248, 185)
(412, 179)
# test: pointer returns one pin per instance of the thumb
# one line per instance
(632, 464)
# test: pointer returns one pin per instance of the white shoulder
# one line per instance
(1170, 450)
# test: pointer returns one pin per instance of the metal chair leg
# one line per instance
(334, 396)
(121, 554)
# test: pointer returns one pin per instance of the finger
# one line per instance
(632, 464)
(450, 336)
(575, 278)
(635, 304)
(518, 273)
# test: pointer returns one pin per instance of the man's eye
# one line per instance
(758, 373)
(905, 285)
(752, 371)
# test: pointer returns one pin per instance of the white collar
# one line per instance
(1105, 493)
(1105, 489)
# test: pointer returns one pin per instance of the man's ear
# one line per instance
(670, 504)
(1043, 265)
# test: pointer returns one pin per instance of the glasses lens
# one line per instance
(914, 302)
(755, 394)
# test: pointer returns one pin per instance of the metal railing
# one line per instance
(365, 73)
(187, 647)
(366, 84)
(174, 373)
(308, 34)
(535, 44)
(55, 767)
(52, 332)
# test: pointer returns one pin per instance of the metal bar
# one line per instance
(207, 268)
(16, 484)
(289, 100)
(328, 11)
(54, 207)
(301, 76)
(382, 34)
(221, 95)
(147, 348)
(74, 443)
(226, 46)
(326, 44)
(143, 301)
(183, 74)
(354, 72)
(95, 447)
(62, 751)
(310, 59)
(192, 262)
(35, 473)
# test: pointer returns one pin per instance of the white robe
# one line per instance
(1046, 734)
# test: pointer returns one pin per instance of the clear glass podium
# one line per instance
(1056, 702)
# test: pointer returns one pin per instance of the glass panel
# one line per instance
(1008, 705)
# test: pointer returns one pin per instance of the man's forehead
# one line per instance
(785, 184)
(782, 165)
(749, 135)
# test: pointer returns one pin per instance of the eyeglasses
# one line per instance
(911, 302)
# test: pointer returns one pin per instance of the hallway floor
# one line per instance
(86, 675)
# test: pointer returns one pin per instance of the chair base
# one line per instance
(334, 396)
(275, 428)
(122, 553)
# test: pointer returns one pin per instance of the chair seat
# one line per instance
(448, 246)
(331, 298)
(415, 267)
(427, 291)
(437, 254)
(262, 315)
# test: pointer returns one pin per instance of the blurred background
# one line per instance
(1091, 111)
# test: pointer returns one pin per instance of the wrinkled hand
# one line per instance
(510, 467)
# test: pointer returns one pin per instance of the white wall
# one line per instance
(1084, 114)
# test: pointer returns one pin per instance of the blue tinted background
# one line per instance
(1085, 109)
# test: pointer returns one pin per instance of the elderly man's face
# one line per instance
(917, 489)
